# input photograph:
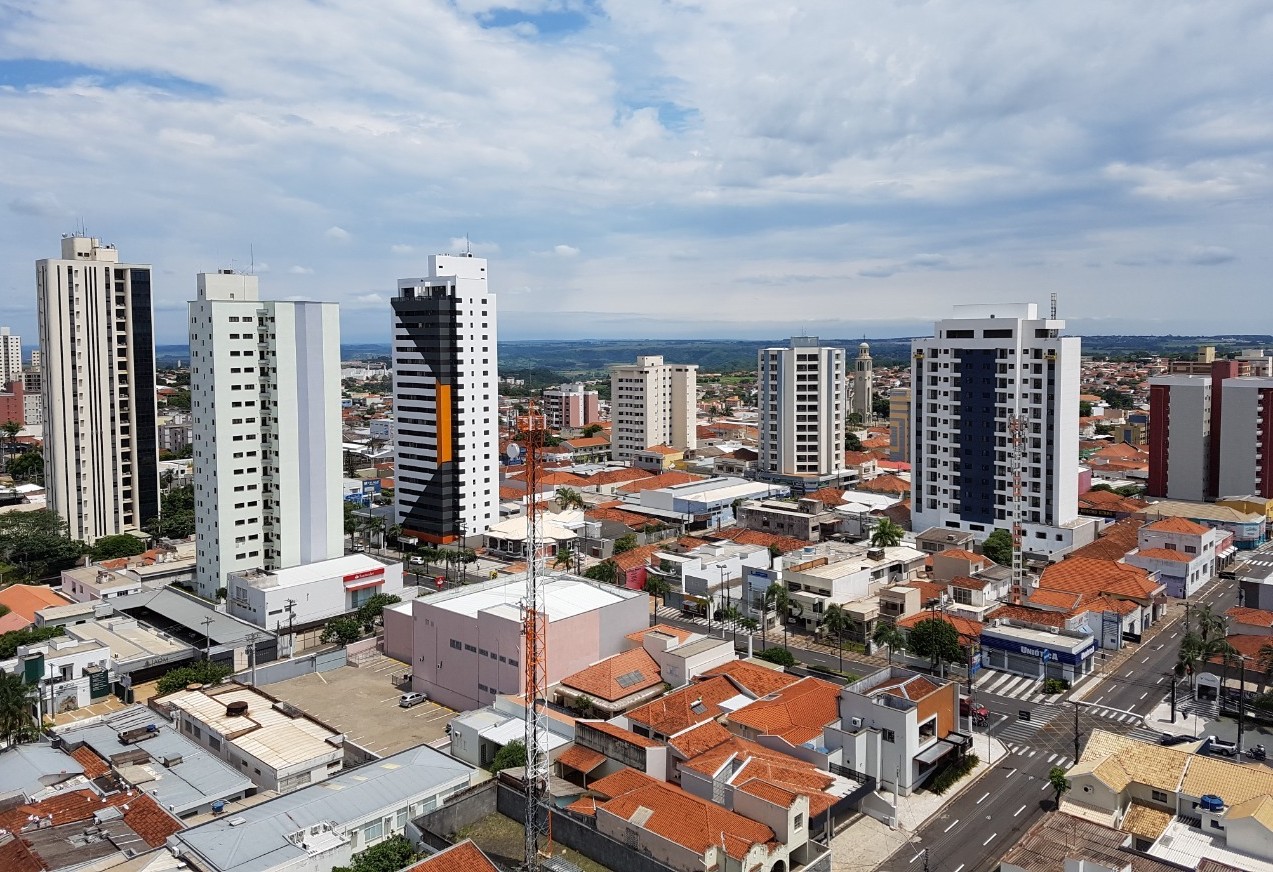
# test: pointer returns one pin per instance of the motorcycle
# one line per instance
(1257, 753)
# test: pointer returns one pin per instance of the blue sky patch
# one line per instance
(23, 74)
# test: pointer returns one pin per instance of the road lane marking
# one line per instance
(979, 802)
(1045, 785)
(1131, 672)
(953, 824)
(1018, 811)
(1161, 679)
(960, 866)
(1145, 694)
(989, 840)
(917, 856)
(1145, 659)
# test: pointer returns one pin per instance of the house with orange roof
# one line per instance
(1107, 504)
(27, 599)
(613, 685)
(463, 856)
(1185, 554)
(685, 708)
(888, 483)
(896, 726)
(658, 458)
(787, 718)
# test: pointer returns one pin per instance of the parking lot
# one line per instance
(362, 702)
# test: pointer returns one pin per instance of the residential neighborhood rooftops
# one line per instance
(1177, 525)
(463, 856)
(756, 679)
(796, 713)
(684, 707)
(616, 677)
(27, 599)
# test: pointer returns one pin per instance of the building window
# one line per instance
(373, 831)
(799, 822)
(1158, 796)
(455, 643)
(888, 735)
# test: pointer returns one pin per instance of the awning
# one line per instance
(581, 759)
(934, 752)
(1228, 552)
(359, 585)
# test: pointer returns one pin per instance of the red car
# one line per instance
(967, 709)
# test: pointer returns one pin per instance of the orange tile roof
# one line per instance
(581, 759)
(967, 583)
(888, 483)
(699, 740)
(584, 805)
(747, 760)
(562, 478)
(144, 815)
(1029, 616)
(13, 621)
(638, 556)
(679, 633)
(614, 476)
(618, 516)
(962, 554)
(828, 496)
(1111, 604)
(1247, 645)
(15, 856)
(676, 711)
(637, 668)
(621, 734)
(757, 680)
(758, 537)
(1164, 554)
(27, 599)
(94, 766)
(667, 479)
(1114, 544)
(966, 627)
(665, 450)
(1252, 617)
(797, 713)
(461, 857)
(914, 687)
(586, 442)
(687, 820)
(1054, 599)
(1091, 576)
(857, 458)
(1178, 525)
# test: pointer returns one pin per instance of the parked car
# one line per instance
(407, 700)
(1223, 747)
(967, 709)
(1169, 739)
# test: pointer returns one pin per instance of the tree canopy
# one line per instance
(780, 656)
(120, 545)
(935, 639)
(390, 855)
(998, 547)
(176, 514)
(199, 672)
(511, 755)
(852, 442)
(16, 697)
(36, 543)
(626, 542)
(342, 631)
(10, 641)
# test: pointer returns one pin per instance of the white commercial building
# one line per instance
(980, 369)
(10, 357)
(300, 595)
(446, 401)
(98, 354)
(265, 396)
(652, 403)
(802, 400)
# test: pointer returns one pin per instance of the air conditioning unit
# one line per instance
(855, 723)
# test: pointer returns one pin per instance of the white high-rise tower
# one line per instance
(801, 402)
(97, 348)
(863, 399)
(10, 357)
(652, 403)
(265, 398)
(980, 369)
(446, 401)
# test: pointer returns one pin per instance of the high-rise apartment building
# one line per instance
(446, 401)
(97, 348)
(862, 399)
(570, 406)
(981, 369)
(899, 424)
(1209, 434)
(265, 402)
(802, 401)
(652, 403)
(10, 356)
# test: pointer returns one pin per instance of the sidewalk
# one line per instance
(1175, 611)
(1187, 724)
(867, 842)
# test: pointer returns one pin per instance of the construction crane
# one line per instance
(532, 428)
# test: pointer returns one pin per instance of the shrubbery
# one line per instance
(200, 672)
(781, 656)
(952, 772)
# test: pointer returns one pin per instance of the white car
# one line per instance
(407, 700)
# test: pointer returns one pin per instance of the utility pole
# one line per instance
(1076, 730)
(1171, 676)
(1241, 699)
(291, 621)
(207, 637)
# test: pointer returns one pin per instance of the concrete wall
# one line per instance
(438, 827)
(282, 670)
(399, 635)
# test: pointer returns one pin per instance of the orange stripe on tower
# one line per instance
(443, 394)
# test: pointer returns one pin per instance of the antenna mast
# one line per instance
(535, 657)
(1054, 305)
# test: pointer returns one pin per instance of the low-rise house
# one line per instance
(478, 735)
(658, 458)
(27, 599)
(324, 825)
(788, 719)
(1185, 554)
(1249, 529)
(508, 537)
(463, 856)
(271, 742)
(300, 596)
(805, 518)
(937, 539)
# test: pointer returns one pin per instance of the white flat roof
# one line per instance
(272, 737)
(564, 596)
(295, 576)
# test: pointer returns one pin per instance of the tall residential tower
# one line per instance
(802, 397)
(446, 401)
(980, 369)
(97, 349)
(265, 398)
(652, 403)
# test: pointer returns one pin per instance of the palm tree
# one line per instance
(11, 429)
(1192, 649)
(1210, 625)
(569, 498)
(16, 698)
(887, 634)
(837, 621)
(886, 534)
(784, 605)
(563, 557)
(731, 615)
(657, 586)
(1059, 783)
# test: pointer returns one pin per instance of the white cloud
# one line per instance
(742, 157)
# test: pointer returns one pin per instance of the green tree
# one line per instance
(351, 520)
(852, 442)
(855, 419)
(887, 635)
(16, 703)
(10, 641)
(626, 542)
(394, 853)
(1116, 399)
(373, 607)
(880, 407)
(935, 639)
(585, 705)
(775, 551)
(998, 547)
(120, 545)
(785, 607)
(176, 515)
(657, 586)
(886, 534)
(1059, 783)
(562, 558)
(199, 672)
(342, 631)
(606, 571)
(569, 498)
(511, 755)
(28, 466)
(1085, 409)
(592, 430)
(781, 656)
(178, 400)
(10, 429)
(836, 622)
(36, 544)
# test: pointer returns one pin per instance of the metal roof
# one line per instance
(257, 839)
(29, 769)
(198, 779)
(190, 612)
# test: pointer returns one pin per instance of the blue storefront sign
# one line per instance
(1043, 654)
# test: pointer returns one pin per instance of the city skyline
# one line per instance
(753, 175)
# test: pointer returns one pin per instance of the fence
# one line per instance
(282, 670)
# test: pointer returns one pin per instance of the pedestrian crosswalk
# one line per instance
(1031, 753)
(1011, 685)
(1017, 732)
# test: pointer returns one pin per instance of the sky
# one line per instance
(656, 169)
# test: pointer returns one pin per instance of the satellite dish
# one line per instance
(513, 451)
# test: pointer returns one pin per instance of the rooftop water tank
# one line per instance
(1211, 802)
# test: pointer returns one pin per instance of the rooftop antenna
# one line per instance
(251, 259)
(1054, 305)
(468, 249)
